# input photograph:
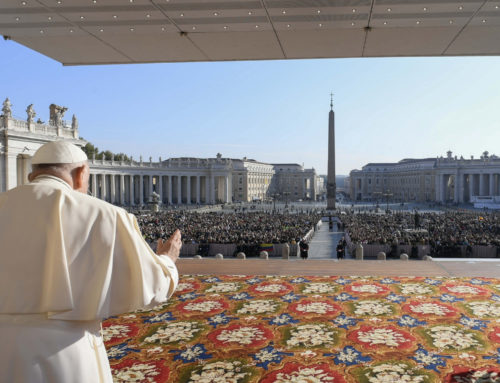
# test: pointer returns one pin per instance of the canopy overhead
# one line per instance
(81, 32)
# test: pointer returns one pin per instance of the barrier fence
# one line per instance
(419, 251)
(230, 250)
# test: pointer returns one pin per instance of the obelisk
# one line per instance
(331, 186)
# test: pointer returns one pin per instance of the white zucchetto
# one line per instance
(59, 152)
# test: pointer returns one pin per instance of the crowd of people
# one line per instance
(250, 228)
(452, 228)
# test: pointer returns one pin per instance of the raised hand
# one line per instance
(171, 247)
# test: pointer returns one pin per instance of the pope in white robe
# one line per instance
(67, 261)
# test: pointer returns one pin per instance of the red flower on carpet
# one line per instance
(271, 288)
(426, 309)
(308, 307)
(367, 289)
(373, 337)
(203, 306)
(241, 335)
(465, 289)
(186, 286)
(463, 374)
(114, 333)
(295, 372)
(495, 335)
(132, 370)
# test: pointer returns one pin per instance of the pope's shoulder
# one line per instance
(86, 201)
(89, 201)
(52, 191)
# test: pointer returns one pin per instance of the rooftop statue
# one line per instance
(74, 122)
(57, 114)
(7, 111)
(30, 111)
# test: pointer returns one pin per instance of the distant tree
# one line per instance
(107, 155)
(122, 157)
(90, 149)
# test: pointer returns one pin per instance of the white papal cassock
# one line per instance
(67, 261)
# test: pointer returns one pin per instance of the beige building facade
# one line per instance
(444, 179)
(294, 182)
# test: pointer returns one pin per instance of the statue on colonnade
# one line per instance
(74, 126)
(7, 108)
(57, 114)
(30, 111)
(74, 122)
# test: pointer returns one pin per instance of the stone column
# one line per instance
(122, 189)
(150, 191)
(188, 192)
(482, 184)
(212, 189)
(169, 190)
(94, 185)
(131, 190)
(492, 185)
(456, 190)
(461, 192)
(198, 189)
(471, 186)
(141, 189)
(207, 190)
(160, 188)
(179, 190)
(113, 188)
(444, 179)
(226, 187)
(103, 187)
(121, 196)
(438, 187)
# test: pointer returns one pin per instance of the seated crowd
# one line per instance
(453, 228)
(228, 228)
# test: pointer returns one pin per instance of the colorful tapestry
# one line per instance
(268, 329)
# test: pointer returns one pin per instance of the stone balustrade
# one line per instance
(16, 125)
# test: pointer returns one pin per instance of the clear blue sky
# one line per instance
(272, 111)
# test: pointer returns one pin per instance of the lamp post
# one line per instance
(377, 195)
(275, 196)
(286, 194)
(387, 194)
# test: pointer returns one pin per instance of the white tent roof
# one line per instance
(77, 32)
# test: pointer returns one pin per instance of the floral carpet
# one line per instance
(269, 329)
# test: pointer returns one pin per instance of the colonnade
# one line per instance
(173, 189)
(463, 187)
